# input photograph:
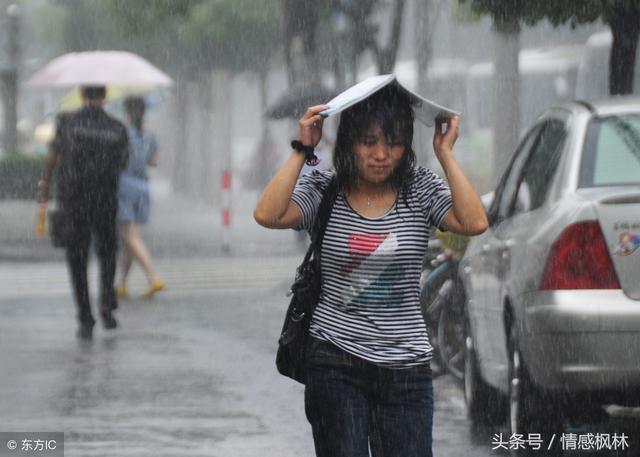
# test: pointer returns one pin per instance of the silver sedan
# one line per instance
(553, 286)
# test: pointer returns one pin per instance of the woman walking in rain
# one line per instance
(368, 380)
(133, 197)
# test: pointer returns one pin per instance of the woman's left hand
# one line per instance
(443, 141)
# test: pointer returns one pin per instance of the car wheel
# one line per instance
(531, 410)
(485, 406)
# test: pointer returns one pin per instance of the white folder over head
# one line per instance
(426, 111)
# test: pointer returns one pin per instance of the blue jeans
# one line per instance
(354, 405)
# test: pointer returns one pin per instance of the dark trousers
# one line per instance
(354, 405)
(95, 219)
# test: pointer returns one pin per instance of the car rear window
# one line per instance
(612, 152)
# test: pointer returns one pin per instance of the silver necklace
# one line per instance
(374, 198)
(369, 199)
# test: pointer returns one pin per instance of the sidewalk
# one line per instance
(179, 227)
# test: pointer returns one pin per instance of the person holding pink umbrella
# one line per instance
(91, 149)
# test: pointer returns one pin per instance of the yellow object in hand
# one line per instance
(42, 217)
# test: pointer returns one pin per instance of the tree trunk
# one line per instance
(192, 147)
(301, 20)
(205, 177)
(387, 55)
(625, 26)
(9, 90)
(506, 93)
(338, 45)
(179, 175)
(422, 41)
(263, 76)
(9, 81)
(221, 130)
(262, 171)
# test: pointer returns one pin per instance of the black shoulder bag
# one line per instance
(292, 345)
(60, 230)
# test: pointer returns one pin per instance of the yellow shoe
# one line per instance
(122, 291)
(156, 286)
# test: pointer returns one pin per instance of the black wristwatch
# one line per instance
(307, 151)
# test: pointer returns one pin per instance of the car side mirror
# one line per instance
(487, 201)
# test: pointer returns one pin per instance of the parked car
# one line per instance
(552, 321)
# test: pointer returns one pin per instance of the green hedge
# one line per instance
(19, 174)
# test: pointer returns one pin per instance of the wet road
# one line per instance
(190, 373)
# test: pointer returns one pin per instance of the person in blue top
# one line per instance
(133, 197)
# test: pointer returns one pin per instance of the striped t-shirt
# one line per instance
(369, 305)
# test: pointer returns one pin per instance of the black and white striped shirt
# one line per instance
(369, 305)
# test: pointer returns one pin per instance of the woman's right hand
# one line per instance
(311, 125)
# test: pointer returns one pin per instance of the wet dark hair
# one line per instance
(135, 107)
(391, 109)
(94, 92)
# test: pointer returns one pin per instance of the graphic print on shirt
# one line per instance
(371, 272)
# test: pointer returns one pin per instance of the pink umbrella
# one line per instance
(99, 68)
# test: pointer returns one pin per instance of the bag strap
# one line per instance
(322, 218)
(66, 120)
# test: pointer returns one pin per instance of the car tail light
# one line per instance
(579, 259)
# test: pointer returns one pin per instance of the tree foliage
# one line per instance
(154, 29)
(365, 32)
(622, 16)
(236, 34)
(186, 36)
(558, 12)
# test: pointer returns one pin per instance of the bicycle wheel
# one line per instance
(451, 336)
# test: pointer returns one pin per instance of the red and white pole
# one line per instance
(226, 210)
